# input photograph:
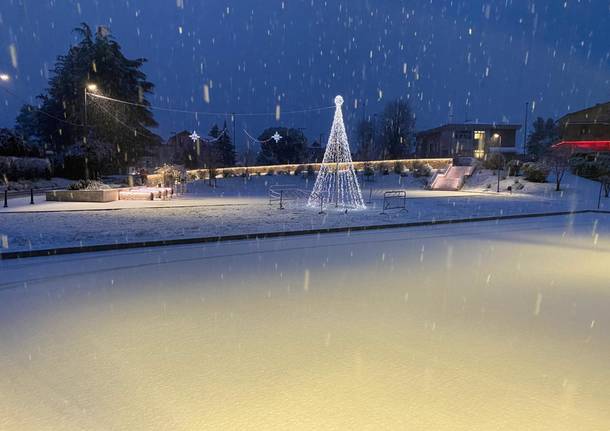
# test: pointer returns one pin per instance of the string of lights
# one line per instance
(276, 137)
(337, 181)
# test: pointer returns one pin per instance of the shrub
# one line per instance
(495, 161)
(369, 172)
(421, 169)
(535, 172)
(88, 185)
(589, 168)
(16, 168)
(514, 167)
(399, 168)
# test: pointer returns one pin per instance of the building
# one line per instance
(315, 152)
(587, 129)
(467, 140)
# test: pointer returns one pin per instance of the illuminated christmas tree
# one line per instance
(337, 183)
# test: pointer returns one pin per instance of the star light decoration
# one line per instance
(194, 136)
(337, 181)
(276, 137)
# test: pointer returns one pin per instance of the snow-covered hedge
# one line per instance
(535, 172)
(16, 168)
(91, 185)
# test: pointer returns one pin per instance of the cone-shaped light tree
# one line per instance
(337, 183)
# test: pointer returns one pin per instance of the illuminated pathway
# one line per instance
(471, 327)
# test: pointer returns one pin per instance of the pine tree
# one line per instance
(290, 149)
(120, 128)
(225, 147)
(543, 135)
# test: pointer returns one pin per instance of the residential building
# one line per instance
(587, 129)
(467, 140)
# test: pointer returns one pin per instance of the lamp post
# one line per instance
(5, 77)
(88, 88)
(525, 129)
(498, 141)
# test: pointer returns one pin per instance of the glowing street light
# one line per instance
(92, 87)
(4, 77)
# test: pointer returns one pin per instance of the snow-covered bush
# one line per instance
(89, 185)
(593, 169)
(535, 172)
(399, 168)
(369, 172)
(299, 169)
(15, 168)
(514, 167)
(495, 162)
(171, 174)
(421, 169)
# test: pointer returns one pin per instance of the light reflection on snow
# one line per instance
(494, 329)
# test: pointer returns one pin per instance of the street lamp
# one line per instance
(5, 77)
(89, 88)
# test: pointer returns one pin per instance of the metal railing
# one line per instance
(394, 200)
(282, 194)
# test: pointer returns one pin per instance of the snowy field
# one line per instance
(237, 206)
(485, 326)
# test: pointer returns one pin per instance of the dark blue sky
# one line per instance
(480, 59)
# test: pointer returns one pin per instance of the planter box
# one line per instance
(83, 195)
(136, 196)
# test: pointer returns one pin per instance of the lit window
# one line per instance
(479, 135)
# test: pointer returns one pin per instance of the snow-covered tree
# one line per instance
(543, 135)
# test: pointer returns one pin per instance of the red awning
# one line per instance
(584, 145)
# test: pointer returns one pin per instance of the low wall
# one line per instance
(195, 174)
(83, 195)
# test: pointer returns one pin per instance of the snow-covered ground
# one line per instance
(239, 206)
(485, 326)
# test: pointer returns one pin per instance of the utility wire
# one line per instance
(184, 111)
(117, 119)
(25, 102)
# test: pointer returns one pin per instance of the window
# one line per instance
(462, 134)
